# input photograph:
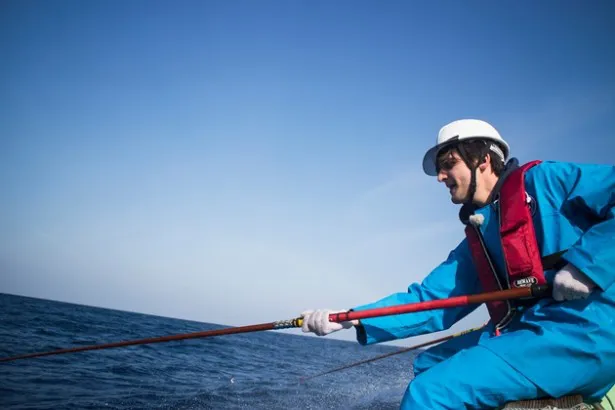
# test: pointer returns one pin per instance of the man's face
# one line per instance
(455, 174)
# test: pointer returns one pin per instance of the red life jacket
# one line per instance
(524, 266)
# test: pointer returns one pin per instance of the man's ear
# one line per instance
(485, 164)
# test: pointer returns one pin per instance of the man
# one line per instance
(546, 222)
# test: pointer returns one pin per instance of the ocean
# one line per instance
(261, 370)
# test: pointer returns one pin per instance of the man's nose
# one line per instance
(441, 176)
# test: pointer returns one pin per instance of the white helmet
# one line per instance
(464, 130)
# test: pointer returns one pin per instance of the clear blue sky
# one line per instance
(238, 162)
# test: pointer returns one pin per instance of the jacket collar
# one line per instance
(510, 166)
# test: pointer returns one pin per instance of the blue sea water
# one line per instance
(261, 370)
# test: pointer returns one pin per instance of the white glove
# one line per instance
(317, 321)
(570, 284)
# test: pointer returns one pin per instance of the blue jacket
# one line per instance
(575, 211)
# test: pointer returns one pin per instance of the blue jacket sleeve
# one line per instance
(588, 200)
(454, 277)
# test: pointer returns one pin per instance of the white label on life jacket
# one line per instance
(525, 282)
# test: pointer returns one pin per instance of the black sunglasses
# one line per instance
(446, 163)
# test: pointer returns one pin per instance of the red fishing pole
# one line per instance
(534, 291)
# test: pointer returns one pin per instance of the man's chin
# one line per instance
(456, 201)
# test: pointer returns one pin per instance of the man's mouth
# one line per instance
(452, 188)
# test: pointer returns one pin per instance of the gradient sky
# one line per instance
(238, 162)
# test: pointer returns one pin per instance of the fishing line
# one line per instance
(408, 349)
